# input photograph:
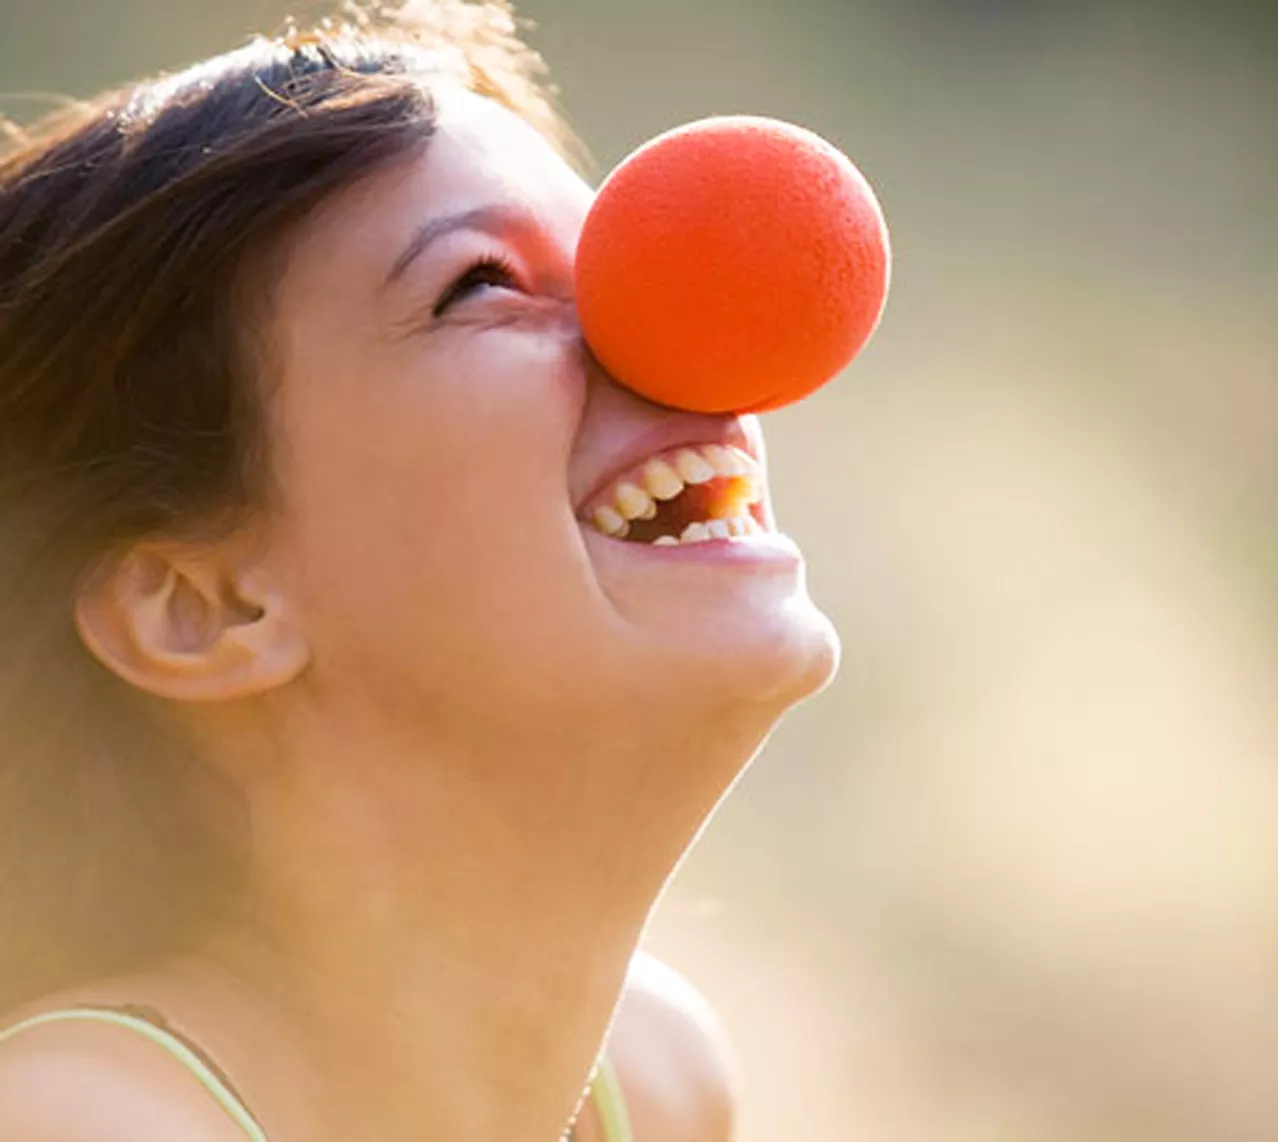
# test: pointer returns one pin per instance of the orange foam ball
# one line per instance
(735, 264)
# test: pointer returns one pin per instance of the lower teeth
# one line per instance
(711, 529)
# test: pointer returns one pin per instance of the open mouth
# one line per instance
(685, 495)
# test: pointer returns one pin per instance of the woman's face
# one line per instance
(444, 446)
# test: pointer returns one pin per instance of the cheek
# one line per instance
(426, 496)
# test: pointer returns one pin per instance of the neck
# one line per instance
(442, 952)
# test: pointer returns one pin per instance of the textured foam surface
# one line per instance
(734, 264)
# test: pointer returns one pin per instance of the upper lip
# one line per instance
(676, 432)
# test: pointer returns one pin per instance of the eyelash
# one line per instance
(494, 270)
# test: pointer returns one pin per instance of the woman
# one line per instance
(347, 731)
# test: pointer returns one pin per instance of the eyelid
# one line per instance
(541, 284)
(497, 261)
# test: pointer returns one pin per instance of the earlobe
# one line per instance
(179, 625)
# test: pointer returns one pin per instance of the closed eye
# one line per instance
(491, 271)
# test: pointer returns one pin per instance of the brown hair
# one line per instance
(130, 405)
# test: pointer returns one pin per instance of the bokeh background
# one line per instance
(1015, 875)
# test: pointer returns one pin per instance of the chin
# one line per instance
(770, 662)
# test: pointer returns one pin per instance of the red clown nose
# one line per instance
(735, 264)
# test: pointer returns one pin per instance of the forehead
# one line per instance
(481, 154)
(480, 141)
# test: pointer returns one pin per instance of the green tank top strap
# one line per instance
(610, 1102)
(170, 1042)
(605, 1087)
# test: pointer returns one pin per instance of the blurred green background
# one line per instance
(1015, 875)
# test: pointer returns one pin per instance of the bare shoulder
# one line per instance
(81, 1081)
(672, 1058)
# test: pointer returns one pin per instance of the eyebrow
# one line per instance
(495, 219)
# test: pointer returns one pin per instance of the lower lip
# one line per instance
(771, 548)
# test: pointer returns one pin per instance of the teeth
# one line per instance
(610, 523)
(693, 467)
(695, 533)
(725, 461)
(664, 478)
(661, 480)
(633, 502)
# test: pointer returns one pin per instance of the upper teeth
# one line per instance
(635, 496)
(661, 480)
(633, 502)
(696, 469)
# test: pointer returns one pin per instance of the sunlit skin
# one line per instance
(474, 735)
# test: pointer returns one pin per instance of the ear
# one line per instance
(189, 624)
